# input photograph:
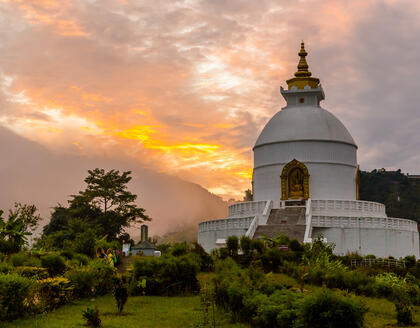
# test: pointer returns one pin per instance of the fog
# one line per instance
(30, 173)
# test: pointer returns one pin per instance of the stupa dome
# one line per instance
(304, 123)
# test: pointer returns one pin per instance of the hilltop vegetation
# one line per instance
(400, 194)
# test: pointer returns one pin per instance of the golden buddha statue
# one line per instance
(296, 184)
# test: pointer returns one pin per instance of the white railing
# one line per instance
(364, 222)
(352, 208)
(247, 209)
(308, 215)
(266, 213)
(252, 228)
(225, 224)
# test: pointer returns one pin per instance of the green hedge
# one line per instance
(14, 290)
(96, 278)
(166, 275)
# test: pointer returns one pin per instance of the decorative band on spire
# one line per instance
(303, 76)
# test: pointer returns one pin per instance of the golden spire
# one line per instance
(303, 76)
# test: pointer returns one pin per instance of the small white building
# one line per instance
(305, 183)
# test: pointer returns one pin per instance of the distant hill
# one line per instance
(33, 174)
(399, 193)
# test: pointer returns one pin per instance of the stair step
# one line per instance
(290, 230)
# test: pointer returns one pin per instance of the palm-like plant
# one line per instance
(15, 229)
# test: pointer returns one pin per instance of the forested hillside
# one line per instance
(400, 194)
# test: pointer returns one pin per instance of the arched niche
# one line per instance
(295, 181)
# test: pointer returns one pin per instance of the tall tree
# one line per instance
(105, 205)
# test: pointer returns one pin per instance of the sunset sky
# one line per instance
(185, 87)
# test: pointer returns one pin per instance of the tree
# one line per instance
(248, 195)
(21, 222)
(106, 206)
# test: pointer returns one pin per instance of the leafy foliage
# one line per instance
(326, 309)
(120, 293)
(400, 194)
(14, 289)
(21, 221)
(92, 317)
(104, 208)
(166, 275)
(54, 263)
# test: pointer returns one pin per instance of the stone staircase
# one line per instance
(289, 221)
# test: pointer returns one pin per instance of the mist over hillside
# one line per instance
(30, 173)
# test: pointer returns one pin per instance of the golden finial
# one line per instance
(303, 65)
(303, 76)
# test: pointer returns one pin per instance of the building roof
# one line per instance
(144, 245)
(300, 123)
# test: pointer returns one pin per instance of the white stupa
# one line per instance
(305, 183)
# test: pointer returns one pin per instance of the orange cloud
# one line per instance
(183, 89)
(52, 13)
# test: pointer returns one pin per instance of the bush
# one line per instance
(80, 260)
(232, 244)
(205, 260)
(32, 272)
(96, 278)
(5, 267)
(67, 254)
(180, 249)
(51, 292)
(120, 293)
(14, 289)
(166, 275)
(404, 313)
(22, 259)
(54, 264)
(92, 317)
(245, 244)
(326, 309)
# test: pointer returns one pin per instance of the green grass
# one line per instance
(171, 312)
(141, 311)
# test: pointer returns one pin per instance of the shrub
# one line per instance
(5, 267)
(404, 313)
(258, 246)
(232, 244)
(83, 281)
(23, 259)
(32, 272)
(51, 292)
(206, 261)
(295, 246)
(245, 244)
(80, 259)
(120, 293)
(326, 309)
(180, 249)
(96, 278)
(166, 275)
(281, 309)
(54, 264)
(14, 289)
(92, 317)
(271, 259)
(67, 254)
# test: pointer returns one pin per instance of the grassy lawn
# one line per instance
(142, 311)
(168, 312)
